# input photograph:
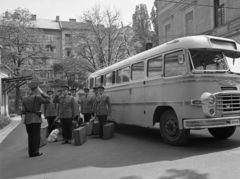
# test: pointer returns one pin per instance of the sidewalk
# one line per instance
(8, 129)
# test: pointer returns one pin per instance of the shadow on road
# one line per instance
(186, 174)
(131, 145)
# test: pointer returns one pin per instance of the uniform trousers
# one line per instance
(102, 121)
(33, 131)
(87, 117)
(50, 120)
(66, 128)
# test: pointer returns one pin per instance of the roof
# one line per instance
(47, 24)
(70, 24)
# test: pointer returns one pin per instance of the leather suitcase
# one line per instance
(96, 128)
(80, 135)
(43, 134)
(89, 126)
(108, 131)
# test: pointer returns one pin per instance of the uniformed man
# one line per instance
(86, 105)
(103, 108)
(95, 91)
(31, 105)
(50, 112)
(66, 112)
(74, 91)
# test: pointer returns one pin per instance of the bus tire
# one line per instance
(170, 131)
(222, 132)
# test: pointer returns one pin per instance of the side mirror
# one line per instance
(181, 59)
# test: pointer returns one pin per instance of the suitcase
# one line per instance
(89, 126)
(80, 135)
(43, 134)
(108, 131)
(96, 128)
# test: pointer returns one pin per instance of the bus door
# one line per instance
(153, 86)
(136, 94)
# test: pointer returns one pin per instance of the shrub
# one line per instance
(4, 121)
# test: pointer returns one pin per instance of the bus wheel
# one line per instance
(222, 132)
(169, 129)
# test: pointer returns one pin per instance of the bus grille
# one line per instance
(228, 103)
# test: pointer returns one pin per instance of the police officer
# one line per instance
(50, 112)
(86, 105)
(73, 93)
(66, 112)
(31, 105)
(103, 108)
(95, 91)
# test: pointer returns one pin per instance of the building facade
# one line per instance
(181, 18)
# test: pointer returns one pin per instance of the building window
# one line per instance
(138, 71)
(154, 67)
(172, 67)
(168, 32)
(68, 52)
(219, 13)
(189, 23)
(51, 48)
(68, 37)
(49, 37)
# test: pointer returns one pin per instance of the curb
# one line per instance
(8, 129)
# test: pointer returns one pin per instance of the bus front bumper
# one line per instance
(211, 122)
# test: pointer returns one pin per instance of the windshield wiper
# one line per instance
(230, 72)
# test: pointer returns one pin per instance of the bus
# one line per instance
(189, 83)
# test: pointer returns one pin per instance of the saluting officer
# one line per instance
(31, 104)
(103, 108)
(66, 112)
(86, 105)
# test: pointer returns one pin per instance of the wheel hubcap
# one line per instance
(171, 127)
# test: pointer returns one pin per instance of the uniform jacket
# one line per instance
(66, 106)
(86, 104)
(94, 103)
(50, 109)
(77, 105)
(103, 106)
(30, 110)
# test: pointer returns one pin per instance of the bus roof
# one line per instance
(201, 41)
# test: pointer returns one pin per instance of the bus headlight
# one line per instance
(208, 104)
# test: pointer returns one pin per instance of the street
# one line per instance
(133, 153)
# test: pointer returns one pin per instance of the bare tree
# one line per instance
(101, 40)
(22, 42)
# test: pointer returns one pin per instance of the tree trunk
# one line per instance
(17, 99)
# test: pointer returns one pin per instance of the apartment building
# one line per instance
(181, 18)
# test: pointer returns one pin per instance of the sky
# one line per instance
(66, 9)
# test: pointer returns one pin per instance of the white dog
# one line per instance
(53, 136)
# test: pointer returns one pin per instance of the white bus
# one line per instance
(185, 84)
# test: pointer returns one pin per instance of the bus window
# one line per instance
(138, 71)
(123, 75)
(108, 78)
(154, 67)
(91, 83)
(98, 81)
(172, 67)
(102, 80)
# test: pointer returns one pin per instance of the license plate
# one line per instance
(234, 121)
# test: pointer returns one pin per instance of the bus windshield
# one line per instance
(234, 64)
(208, 61)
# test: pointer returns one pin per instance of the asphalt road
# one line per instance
(133, 153)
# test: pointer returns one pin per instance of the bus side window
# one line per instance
(118, 76)
(109, 79)
(91, 83)
(172, 66)
(98, 81)
(137, 71)
(154, 67)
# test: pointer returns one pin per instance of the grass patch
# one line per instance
(4, 121)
